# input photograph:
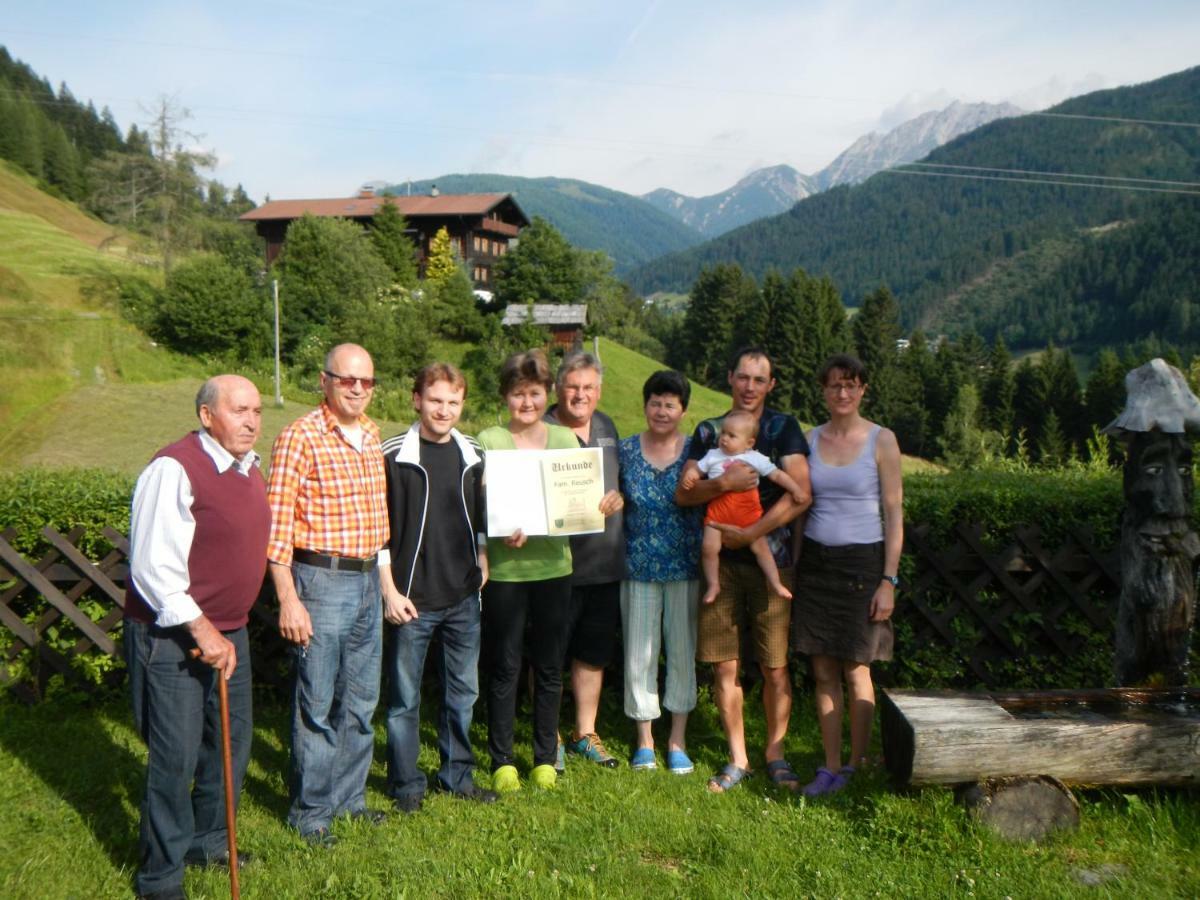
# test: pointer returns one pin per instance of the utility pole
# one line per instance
(278, 389)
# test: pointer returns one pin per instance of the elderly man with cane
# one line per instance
(198, 543)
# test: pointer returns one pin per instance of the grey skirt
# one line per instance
(831, 610)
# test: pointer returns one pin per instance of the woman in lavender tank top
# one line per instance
(846, 578)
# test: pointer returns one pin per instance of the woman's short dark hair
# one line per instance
(851, 367)
(529, 367)
(667, 381)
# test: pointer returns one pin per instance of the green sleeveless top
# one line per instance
(543, 557)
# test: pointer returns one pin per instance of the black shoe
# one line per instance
(370, 816)
(320, 837)
(476, 793)
(216, 860)
(408, 804)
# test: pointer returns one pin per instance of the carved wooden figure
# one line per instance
(1159, 549)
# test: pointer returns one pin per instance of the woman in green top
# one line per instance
(529, 580)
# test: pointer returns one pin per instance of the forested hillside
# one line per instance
(625, 227)
(1107, 286)
(51, 135)
(931, 238)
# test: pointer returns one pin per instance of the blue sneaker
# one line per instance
(678, 763)
(643, 758)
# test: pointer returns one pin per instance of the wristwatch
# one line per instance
(894, 580)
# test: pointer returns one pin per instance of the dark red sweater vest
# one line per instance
(229, 549)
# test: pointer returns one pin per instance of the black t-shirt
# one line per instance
(445, 572)
(779, 435)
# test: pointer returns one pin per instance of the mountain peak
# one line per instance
(909, 141)
(763, 192)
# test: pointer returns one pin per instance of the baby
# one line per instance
(741, 508)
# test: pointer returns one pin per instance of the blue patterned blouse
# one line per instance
(662, 540)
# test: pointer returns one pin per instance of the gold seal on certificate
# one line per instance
(573, 481)
(545, 492)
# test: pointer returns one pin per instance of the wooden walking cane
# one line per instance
(227, 762)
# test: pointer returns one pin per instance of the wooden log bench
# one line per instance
(1012, 755)
(1121, 736)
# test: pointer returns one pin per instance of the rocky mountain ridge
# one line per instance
(770, 191)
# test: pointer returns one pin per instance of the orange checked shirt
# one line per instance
(325, 496)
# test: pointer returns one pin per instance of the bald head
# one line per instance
(230, 410)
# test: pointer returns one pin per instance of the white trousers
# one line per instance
(659, 616)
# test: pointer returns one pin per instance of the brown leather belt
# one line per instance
(337, 563)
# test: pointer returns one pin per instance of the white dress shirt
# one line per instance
(161, 529)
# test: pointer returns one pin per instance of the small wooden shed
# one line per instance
(565, 321)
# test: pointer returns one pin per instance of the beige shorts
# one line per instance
(745, 599)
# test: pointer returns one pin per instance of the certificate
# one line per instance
(545, 492)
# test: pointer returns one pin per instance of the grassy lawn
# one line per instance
(120, 424)
(72, 778)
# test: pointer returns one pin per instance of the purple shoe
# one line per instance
(825, 783)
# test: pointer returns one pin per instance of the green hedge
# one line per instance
(31, 499)
(1055, 502)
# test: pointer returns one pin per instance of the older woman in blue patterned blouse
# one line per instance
(659, 601)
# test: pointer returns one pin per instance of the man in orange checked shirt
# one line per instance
(328, 522)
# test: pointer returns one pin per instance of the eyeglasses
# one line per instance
(847, 388)
(348, 381)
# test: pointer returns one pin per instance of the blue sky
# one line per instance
(311, 99)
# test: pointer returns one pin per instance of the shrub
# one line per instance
(31, 499)
(209, 307)
(1054, 501)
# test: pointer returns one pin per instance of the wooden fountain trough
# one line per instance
(1119, 736)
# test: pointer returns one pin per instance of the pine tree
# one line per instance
(912, 420)
(1064, 395)
(389, 235)
(1053, 447)
(781, 327)
(876, 329)
(820, 330)
(719, 296)
(1105, 394)
(176, 194)
(964, 444)
(996, 392)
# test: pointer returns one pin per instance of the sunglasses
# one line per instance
(348, 381)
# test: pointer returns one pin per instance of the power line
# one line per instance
(1119, 178)
(1084, 184)
(1054, 115)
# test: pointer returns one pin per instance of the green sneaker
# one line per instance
(505, 780)
(543, 777)
(590, 747)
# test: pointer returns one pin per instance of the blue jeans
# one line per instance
(177, 711)
(336, 690)
(458, 667)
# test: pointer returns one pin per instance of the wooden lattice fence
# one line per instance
(61, 615)
(968, 613)
(994, 610)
